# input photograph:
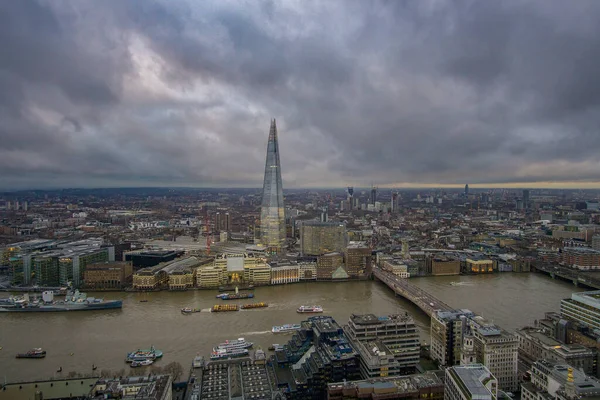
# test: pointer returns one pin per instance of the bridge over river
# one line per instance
(402, 287)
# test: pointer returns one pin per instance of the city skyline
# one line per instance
(414, 94)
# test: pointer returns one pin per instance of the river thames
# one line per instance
(77, 340)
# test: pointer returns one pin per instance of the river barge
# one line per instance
(224, 307)
(254, 305)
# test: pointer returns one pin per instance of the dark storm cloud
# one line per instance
(143, 93)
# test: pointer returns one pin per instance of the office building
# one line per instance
(498, 351)
(596, 242)
(552, 380)
(411, 387)
(470, 382)
(440, 265)
(583, 308)
(317, 354)
(222, 222)
(285, 274)
(387, 345)
(526, 203)
(467, 190)
(373, 195)
(272, 214)
(358, 259)
(479, 265)
(307, 270)
(318, 237)
(327, 264)
(53, 389)
(108, 275)
(211, 276)
(447, 331)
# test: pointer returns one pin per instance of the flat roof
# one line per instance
(472, 377)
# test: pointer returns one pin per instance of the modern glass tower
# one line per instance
(272, 214)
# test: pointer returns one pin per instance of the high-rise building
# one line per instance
(272, 215)
(373, 195)
(318, 238)
(467, 190)
(526, 198)
(223, 222)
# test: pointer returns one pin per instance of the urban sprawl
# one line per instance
(241, 239)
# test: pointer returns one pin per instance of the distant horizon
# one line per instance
(474, 186)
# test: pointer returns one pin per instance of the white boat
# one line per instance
(142, 363)
(240, 343)
(310, 309)
(285, 328)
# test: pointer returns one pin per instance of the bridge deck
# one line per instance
(402, 287)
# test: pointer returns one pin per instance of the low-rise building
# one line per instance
(397, 268)
(108, 275)
(211, 276)
(284, 274)
(327, 264)
(150, 387)
(582, 258)
(441, 264)
(470, 382)
(307, 270)
(411, 387)
(479, 265)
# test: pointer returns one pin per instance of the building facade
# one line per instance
(583, 308)
(470, 382)
(318, 238)
(285, 274)
(272, 214)
(327, 264)
(358, 259)
(115, 275)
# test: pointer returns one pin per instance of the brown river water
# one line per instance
(77, 340)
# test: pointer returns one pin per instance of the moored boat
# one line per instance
(142, 355)
(142, 363)
(310, 309)
(254, 305)
(33, 353)
(219, 354)
(240, 343)
(225, 307)
(285, 328)
(74, 301)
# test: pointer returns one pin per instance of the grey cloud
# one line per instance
(156, 92)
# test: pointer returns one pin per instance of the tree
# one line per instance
(174, 369)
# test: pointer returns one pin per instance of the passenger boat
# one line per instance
(142, 363)
(310, 309)
(285, 328)
(219, 354)
(237, 296)
(33, 353)
(142, 355)
(223, 308)
(188, 310)
(240, 343)
(254, 305)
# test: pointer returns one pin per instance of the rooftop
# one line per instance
(473, 379)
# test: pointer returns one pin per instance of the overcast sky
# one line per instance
(397, 93)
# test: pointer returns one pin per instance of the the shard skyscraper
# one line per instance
(272, 213)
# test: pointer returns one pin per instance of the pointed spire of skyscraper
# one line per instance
(272, 214)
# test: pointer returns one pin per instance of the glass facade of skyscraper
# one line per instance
(272, 216)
